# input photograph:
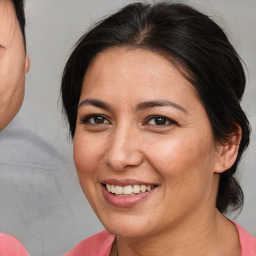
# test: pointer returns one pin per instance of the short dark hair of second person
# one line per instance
(19, 9)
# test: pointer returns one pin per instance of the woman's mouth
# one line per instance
(128, 190)
(123, 194)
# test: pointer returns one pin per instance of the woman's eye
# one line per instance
(95, 119)
(160, 120)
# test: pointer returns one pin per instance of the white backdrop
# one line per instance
(40, 198)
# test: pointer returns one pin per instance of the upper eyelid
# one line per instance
(157, 116)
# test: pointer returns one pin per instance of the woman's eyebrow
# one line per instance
(159, 103)
(94, 102)
(141, 106)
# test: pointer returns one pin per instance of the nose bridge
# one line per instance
(124, 150)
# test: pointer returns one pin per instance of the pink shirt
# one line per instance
(10, 246)
(101, 243)
(248, 243)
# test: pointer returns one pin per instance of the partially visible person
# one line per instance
(11, 246)
(14, 63)
(152, 96)
(36, 181)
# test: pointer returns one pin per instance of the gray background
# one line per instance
(40, 198)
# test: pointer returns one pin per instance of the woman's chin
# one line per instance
(128, 233)
(128, 229)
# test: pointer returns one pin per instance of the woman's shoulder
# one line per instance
(248, 242)
(99, 244)
(11, 246)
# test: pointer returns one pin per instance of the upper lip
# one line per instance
(126, 182)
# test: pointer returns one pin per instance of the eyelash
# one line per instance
(86, 120)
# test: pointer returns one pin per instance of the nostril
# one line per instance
(123, 150)
(120, 161)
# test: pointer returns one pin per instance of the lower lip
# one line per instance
(124, 201)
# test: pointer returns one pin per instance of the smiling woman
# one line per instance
(152, 95)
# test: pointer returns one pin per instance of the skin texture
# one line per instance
(14, 63)
(179, 156)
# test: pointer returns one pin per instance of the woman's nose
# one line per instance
(124, 150)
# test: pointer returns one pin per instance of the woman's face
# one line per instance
(143, 134)
(13, 63)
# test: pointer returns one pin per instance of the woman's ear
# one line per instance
(227, 152)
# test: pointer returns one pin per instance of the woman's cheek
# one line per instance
(86, 153)
(170, 156)
(81, 154)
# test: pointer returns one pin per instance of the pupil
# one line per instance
(98, 120)
(160, 121)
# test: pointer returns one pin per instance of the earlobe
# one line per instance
(27, 64)
(228, 152)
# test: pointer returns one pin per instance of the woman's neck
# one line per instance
(212, 234)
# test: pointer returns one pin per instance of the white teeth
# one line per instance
(119, 190)
(128, 190)
(136, 189)
(113, 189)
(143, 188)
